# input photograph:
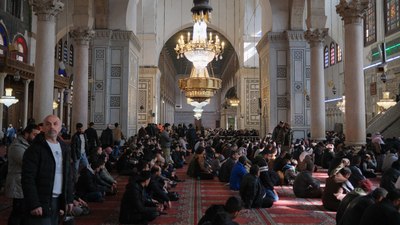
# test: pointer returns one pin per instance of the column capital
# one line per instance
(353, 11)
(26, 81)
(316, 36)
(47, 10)
(82, 36)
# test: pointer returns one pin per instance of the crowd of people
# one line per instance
(49, 176)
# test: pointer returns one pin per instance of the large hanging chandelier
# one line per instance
(386, 102)
(8, 99)
(200, 50)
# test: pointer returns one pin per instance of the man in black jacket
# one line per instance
(136, 208)
(252, 191)
(46, 179)
(79, 147)
(385, 212)
(354, 211)
(93, 139)
(226, 167)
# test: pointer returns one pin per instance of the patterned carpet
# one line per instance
(197, 196)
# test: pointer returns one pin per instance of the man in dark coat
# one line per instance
(222, 214)
(252, 192)
(46, 179)
(135, 206)
(385, 212)
(79, 147)
(93, 139)
(305, 186)
(107, 138)
(191, 137)
(226, 167)
(389, 178)
(354, 211)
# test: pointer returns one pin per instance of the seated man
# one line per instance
(157, 187)
(227, 165)
(215, 213)
(384, 212)
(238, 171)
(252, 191)
(355, 210)
(135, 206)
(88, 187)
(335, 190)
(305, 186)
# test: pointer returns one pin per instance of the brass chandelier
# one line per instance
(200, 50)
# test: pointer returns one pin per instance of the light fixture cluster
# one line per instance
(386, 102)
(8, 99)
(200, 49)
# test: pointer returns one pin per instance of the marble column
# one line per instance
(2, 77)
(26, 101)
(81, 68)
(46, 11)
(68, 115)
(317, 93)
(352, 13)
(61, 105)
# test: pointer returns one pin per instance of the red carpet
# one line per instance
(197, 196)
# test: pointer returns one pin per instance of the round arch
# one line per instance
(22, 48)
(4, 34)
(266, 12)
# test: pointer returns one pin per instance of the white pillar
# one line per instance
(46, 11)
(68, 100)
(26, 101)
(61, 105)
(352, 14)
(317, 93)
(81, 69)
(2, 77)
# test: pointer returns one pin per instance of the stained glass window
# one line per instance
(332, 54)
(65, 56)
(59, 50)
(392, 16)
(71, 55)
(370, 24)
(338, 53)
(1, 45)
(326, 56)
(22, 49)
(3, 39)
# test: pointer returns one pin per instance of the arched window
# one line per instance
(65, 56)
(339, 53)
(332, 51)
(71, 55)
(370, 24)
(59, 50)
(326, 56)
(22, 49)
(3, 39)
(392, 16)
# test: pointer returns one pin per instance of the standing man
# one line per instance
(118, 136)
(46, 179)
(93, 139)
(79, 147)
(165, 142)
(11, 132)
(13, 188)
